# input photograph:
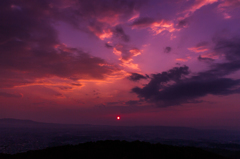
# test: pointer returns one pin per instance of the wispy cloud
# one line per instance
(156, 26)
(200, 47)
(195, 6)
(126, 55)
(227, 6)
(10, 95)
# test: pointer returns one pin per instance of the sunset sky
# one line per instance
(151, 62)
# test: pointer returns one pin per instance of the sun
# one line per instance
(118, 117)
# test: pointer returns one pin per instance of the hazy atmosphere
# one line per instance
(150, 62)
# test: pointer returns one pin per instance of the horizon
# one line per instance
(148, 62)
(170, 126)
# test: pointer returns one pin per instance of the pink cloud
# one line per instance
(156, 26)
(125, 55)
(197, 5)
(135, 16)
(227, 6)
(183, 59)
(101, 34)
(200, 47)
(211, 55)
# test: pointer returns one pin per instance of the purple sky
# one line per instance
(152, 62)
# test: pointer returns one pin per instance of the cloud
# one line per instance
(205, 59)
(100, 32)
(108, 45)
(227, 6)
(156, 26)
(152, 88)
(229, 47)
(167, 49)
(10, 95)
(97, 17)
(136, 77)
(133, 102)
(161, 92)
(59, 95)
(183, 59)
(77, 84)
(100, 16)
(195, 6)
(135, 16)
(175, 88)
(143, 22)
(30, 48)
(183, 23)
(122, 103)
(209, 56)
(126, 55)
(200, 47)
(230, 50)
(119, 33)
(65, 88)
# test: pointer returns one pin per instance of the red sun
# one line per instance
(118, 117)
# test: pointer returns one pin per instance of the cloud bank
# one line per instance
(29, 44)
(177, 86)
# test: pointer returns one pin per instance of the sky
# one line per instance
(151, 62)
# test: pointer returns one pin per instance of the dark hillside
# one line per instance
(116, 150)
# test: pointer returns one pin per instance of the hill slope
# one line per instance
(116, 150)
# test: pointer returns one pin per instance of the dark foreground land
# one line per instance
(110, 149)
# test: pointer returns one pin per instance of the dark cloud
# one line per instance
(119, 32)
(30, 48)
(183, 23)
(230, 50)
(205, 59)
(76, 84)
(170, 88)
(100, 9)
(143, 22)
(158, 80)
(65, 88)
(133, 102)
(10, 95)
(167, 49)
(59, 95)
(202, 44)
(29, 44)
(136, 77)
(229, 47)
(185, 90)
(97, 16)
(108, 46)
